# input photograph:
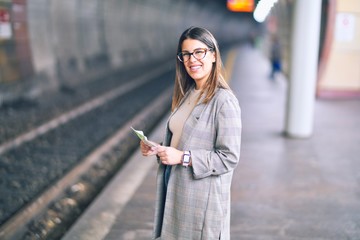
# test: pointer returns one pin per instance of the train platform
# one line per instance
(283, 188)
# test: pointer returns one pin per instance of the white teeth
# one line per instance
(195, 67)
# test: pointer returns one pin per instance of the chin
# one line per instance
(196, 77)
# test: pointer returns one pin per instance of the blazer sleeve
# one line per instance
(227, 140)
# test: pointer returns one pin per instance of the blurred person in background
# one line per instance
(275, 57)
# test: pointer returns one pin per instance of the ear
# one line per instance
(213, 57)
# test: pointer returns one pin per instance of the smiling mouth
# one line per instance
(194, 68)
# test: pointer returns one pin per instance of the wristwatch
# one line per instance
(186, 158)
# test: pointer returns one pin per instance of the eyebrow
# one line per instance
(200, 48)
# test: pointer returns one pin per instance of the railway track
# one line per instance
(54, 163)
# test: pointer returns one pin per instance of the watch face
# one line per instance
(186, 158)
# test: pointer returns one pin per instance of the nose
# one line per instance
(192, 58)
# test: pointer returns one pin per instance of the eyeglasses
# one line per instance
(198, 54)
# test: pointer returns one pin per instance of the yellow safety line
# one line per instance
(229, 65)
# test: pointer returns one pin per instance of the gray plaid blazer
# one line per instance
(196, 204)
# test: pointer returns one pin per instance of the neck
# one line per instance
(198, 86)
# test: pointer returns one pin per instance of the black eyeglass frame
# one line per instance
(180, 55)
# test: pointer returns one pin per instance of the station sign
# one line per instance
(5, 24)
(240, 5)
(345, 27)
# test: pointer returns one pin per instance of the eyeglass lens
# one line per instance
(198, 54)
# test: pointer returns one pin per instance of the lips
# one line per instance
(195, 67)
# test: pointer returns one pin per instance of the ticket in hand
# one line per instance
(143, 138)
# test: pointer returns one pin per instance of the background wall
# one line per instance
(341, 74)
(65, 43)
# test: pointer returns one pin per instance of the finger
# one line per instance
(160, 148)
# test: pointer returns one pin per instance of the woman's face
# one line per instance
(198, 69)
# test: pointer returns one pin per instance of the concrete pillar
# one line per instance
(303, 68)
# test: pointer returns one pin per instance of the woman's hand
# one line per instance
(147, 150)
(169, 155)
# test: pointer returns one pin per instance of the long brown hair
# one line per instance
(183, 82)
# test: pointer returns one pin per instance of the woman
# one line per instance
(201, 146)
